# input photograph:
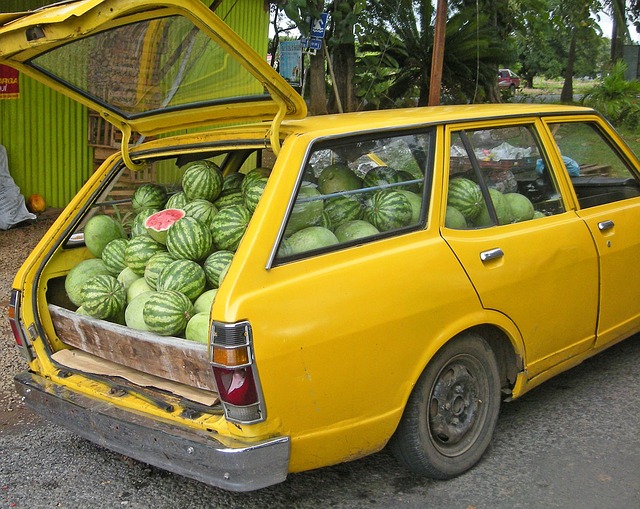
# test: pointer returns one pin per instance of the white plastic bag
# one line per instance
(12, 207)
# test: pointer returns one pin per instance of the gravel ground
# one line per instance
(15, 245)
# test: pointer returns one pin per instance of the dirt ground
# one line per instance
(15, 245)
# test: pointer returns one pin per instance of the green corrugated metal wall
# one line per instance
(45, 134)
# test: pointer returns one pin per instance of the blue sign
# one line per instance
(319, 26)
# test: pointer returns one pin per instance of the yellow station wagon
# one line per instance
(392, 276)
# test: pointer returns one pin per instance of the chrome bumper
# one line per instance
(238, 466)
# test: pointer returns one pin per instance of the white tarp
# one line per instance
(12, 207)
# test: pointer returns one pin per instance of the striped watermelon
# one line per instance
(158, 224)
(253, 174)
(381, 176)
(338, 177)
(232, 181)
(148, 196)
(202, 180)
(139, 250)
(184, 276)
(113, 255)
(202, 210)
(137, 226)
(189, 239)
(167, 312)
(229, 225)
(252, 192)
(466, 196)
(155, 265)
(215, 264)
(229, 197)
(307, 209)
(388, 210)
(343, 208)
(103, 297)
(177, 201)
(405, 176)
(80, 274)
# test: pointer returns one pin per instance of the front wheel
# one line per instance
(452, 412)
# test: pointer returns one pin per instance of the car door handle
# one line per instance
(605, 225)
(491, 254)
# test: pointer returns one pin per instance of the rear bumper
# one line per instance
(240, 466)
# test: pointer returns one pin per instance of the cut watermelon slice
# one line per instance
(159, 223)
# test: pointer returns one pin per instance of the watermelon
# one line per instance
(136, 288)
(215, 264)
(310, 238)
(155, 265)
(388, 210)
(521, 207)
(184, 276)
(381, 176)
(502, 208)
(159, 223)
(342, 208)
(229, 197)
(251, 193)
(355, 229)
(113, 255)
(177, 201)
(416, 204)
(229, 225)
(198, 328)
(405, 176)
(466, 196)
(137, 226)
(205, 301)
(256, 173)
(454, 219)
(139, 250)
(189, 239)
(338, 177)
(133, 312)
(80, 274)
(167, 312)
(202, 180)
(127, 277)
(537, 215)
(148, 196)
(201, 210)
(82, 311)
(232, 181)
(99, 231)
(307, 209)
(325, 221)
(103, 297)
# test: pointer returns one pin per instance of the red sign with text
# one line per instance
(9, 82)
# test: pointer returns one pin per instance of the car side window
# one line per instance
(495, 178)
(356, 190)
(598, 173)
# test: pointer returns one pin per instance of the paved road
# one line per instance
(572, 443)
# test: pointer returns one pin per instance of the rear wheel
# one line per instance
(451, 413)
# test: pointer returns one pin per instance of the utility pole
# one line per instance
(437, 58)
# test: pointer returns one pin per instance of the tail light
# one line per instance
(235, 373)
(19, 333)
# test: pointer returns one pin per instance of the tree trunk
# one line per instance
(617, 38)
(344, 61)
(567, 88)
(317, 89)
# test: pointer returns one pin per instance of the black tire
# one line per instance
(451, 414)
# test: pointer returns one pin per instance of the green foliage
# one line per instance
(616, 98)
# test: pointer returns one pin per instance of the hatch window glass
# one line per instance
(162, 63)
(358, 190)
(598, 174)
(497, 177)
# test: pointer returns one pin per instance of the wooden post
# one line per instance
(437, 58)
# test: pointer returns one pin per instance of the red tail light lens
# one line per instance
(235, 372)
(16, 327)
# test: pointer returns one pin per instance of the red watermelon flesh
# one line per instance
(157, 224)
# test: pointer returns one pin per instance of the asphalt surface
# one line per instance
(572, 443)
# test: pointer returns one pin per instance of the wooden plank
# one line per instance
(172, 358)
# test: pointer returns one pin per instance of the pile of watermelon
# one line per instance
(466, 207)
(340, 206)
(163, 275)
